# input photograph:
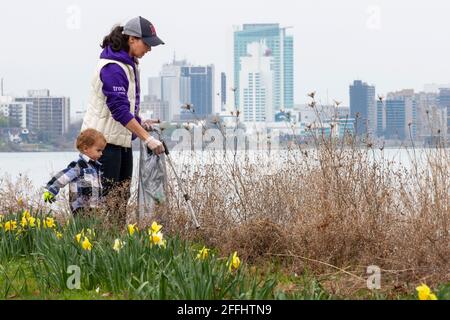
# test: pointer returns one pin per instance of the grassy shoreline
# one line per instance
(37, 251)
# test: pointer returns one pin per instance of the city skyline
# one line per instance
(395, 45)
(421, 116)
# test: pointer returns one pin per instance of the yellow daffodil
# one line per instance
(90, 232)
(118, 245)
(86, 245)
(59, 235)
(79, 235)
(49, 223)
(24, 222)
(156, 227)
(157, 238)
(20, 202)
(26, 214)
(10, 225)
(27, 220)
(203, 253)
(424, 293)
(235, 262)
(132, 229)
(32, 221)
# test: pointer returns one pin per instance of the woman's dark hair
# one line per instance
(116, 40)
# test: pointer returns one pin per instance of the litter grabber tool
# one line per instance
(180, 185)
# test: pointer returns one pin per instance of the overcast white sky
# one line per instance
(392, 44)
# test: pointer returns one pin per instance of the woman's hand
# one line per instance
(147, 124)
(155, 145)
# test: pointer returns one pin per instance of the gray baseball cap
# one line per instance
(142, 28)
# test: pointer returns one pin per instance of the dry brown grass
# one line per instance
(333, 208)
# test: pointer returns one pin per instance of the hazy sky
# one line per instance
(392, 44)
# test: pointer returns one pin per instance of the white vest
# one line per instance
(98, 116)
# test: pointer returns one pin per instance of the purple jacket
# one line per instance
(115, 86)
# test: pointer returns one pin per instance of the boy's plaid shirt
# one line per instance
(84, 178)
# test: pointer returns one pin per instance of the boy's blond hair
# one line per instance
(88, 138)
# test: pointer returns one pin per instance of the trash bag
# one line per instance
(152, 178)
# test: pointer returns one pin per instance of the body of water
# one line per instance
(40, 166)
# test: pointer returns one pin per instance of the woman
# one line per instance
(113, 107)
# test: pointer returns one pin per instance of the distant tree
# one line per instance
(67, 141)
(3, 122)
(74, 130)
(43, 136)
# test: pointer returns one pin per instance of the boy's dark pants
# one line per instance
(117, 164)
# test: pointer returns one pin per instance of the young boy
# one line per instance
(83, 176)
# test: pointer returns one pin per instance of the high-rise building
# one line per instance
(223, 91)
(4, 110)
(429, 117)
(281, 48)
(46, 115)
(180, 83)
(154, 87)
(200, 81)
(444, 104)
(256, 89)
(16, 113)
(154, 108)
(362, 107)
(175, 89)
(395, 119)
(381, 118)
(401, 115)
(4, 105)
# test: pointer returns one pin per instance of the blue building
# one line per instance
(201, 88)
(346, 127)
(444, 104)
(362, 107)
(282, 50)
(223, 91)
(395, 119)
(401, 115)
(381, 118)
